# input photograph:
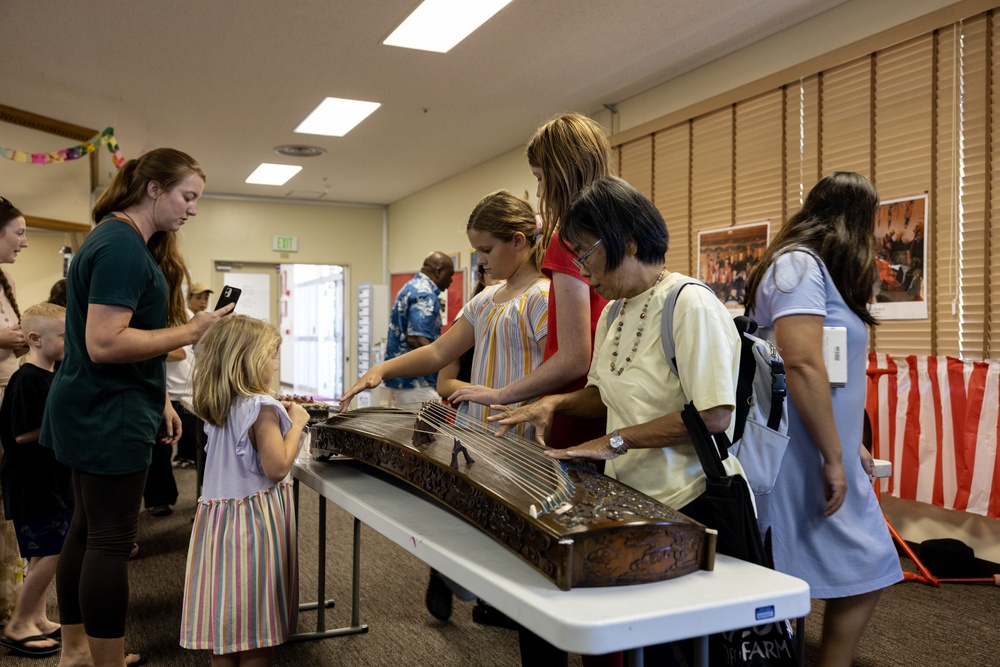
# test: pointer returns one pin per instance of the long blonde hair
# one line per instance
(572, 151)
(167, 167)
(230, 362)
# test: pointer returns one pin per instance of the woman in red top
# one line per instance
(566, 154)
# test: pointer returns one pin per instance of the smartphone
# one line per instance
(227, 296)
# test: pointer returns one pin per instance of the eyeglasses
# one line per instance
(583, 258)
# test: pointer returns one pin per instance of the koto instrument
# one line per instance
(574, 525)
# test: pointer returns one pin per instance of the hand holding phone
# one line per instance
(227, 296)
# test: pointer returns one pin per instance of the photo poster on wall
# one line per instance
(901, 257)
(725, 257)
(452, 299)
(255, 300)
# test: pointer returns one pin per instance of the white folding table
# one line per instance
(736, 594)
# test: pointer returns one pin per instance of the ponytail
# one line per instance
(166, 167)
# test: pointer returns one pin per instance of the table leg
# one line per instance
(356, 576)
(321, 632)
(634, 657)
(800, 640)
(701, 651)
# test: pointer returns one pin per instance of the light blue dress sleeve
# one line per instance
(794, 285)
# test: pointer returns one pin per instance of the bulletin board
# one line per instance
(454, 295)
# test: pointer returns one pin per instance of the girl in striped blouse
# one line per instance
(507, 322)
(241, 585)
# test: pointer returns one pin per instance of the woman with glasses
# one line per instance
(620, 241)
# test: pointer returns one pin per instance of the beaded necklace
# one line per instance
(638, 333)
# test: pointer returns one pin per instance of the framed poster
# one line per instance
(452, 299)
(901, 256)
(725, 257)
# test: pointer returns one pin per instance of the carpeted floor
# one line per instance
(914, 626)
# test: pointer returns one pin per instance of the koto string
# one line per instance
(514, 472)
(506, 457)
(513, 458)
(516, 459)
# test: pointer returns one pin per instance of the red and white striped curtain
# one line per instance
(935, 419)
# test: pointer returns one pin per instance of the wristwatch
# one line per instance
(617, 443)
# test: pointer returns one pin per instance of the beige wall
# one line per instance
(435, 218)
(241, 230)
(38, 266)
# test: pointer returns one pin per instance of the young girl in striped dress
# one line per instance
(507, 322)
(241, 585)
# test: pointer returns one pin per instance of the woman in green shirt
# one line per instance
(108, 405)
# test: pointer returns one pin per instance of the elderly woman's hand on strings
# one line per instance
(594, 450)
(369, 380)
(477, 393)
(538, 414)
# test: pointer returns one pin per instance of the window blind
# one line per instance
(671, 179)
(637, 164)
(903, 105)
(759, 159)
(802, 130)
(712, 171)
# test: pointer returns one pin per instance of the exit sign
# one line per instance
(286, 243)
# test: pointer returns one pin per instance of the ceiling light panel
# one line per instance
(335, 117)
(438, 25)
(273, 174)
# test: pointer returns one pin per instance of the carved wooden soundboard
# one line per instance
(602, 533)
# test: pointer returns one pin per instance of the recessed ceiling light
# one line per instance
(273, 174)
(298, 150)
(335, 117)
(438, 25)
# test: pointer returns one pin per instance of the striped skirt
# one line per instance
(241, 590)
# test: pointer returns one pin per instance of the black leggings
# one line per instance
(92, 575)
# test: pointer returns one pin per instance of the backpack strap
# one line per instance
(667, 320)
(721, 441)
(613, 310)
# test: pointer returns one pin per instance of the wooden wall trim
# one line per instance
(45, 124)
(56, 225)
(881, 40)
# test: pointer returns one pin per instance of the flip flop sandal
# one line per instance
(55, 634)
(20, 646)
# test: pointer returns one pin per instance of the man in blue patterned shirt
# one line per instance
(415, 321)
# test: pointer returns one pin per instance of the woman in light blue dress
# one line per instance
(824, 518)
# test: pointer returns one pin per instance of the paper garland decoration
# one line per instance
(105, 138)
